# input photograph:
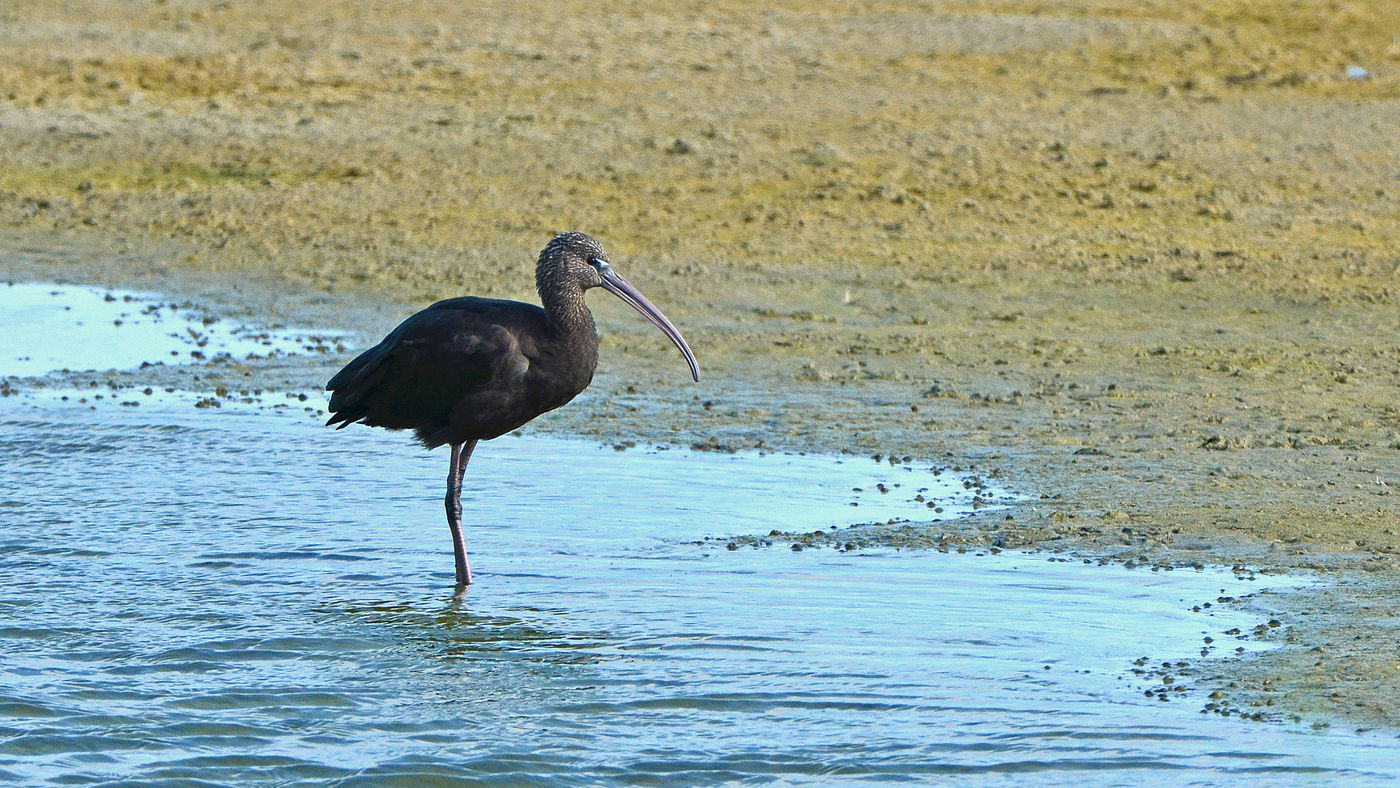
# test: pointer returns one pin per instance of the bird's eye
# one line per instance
(598, 263)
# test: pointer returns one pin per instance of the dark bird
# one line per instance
(472, 369)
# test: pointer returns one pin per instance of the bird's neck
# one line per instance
(573, 343)
(569, 317)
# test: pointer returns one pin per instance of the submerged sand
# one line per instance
(1139, 263)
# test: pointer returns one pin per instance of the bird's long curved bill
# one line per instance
(615, 284)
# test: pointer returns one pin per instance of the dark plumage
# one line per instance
(471, 369)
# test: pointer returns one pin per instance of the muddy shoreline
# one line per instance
(1344, 625)
(1128, 264)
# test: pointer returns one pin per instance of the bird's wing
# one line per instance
(427, 365)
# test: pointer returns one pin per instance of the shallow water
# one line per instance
(243, 596)
(50, 327)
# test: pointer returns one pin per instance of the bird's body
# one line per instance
(471, 369)
(467, 369)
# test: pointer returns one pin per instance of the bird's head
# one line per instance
(575, 261)
(571, 260)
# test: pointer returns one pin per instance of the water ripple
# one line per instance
(197, 609)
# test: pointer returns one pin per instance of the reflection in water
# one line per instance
(453, 632)
(237, 597)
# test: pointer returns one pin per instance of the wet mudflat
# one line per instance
(1103, 250)
(243, 596)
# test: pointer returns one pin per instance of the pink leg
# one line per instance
(461, 453)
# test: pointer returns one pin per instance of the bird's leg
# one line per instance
(461, 453)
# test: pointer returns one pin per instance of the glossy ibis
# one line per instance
(472, 369)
